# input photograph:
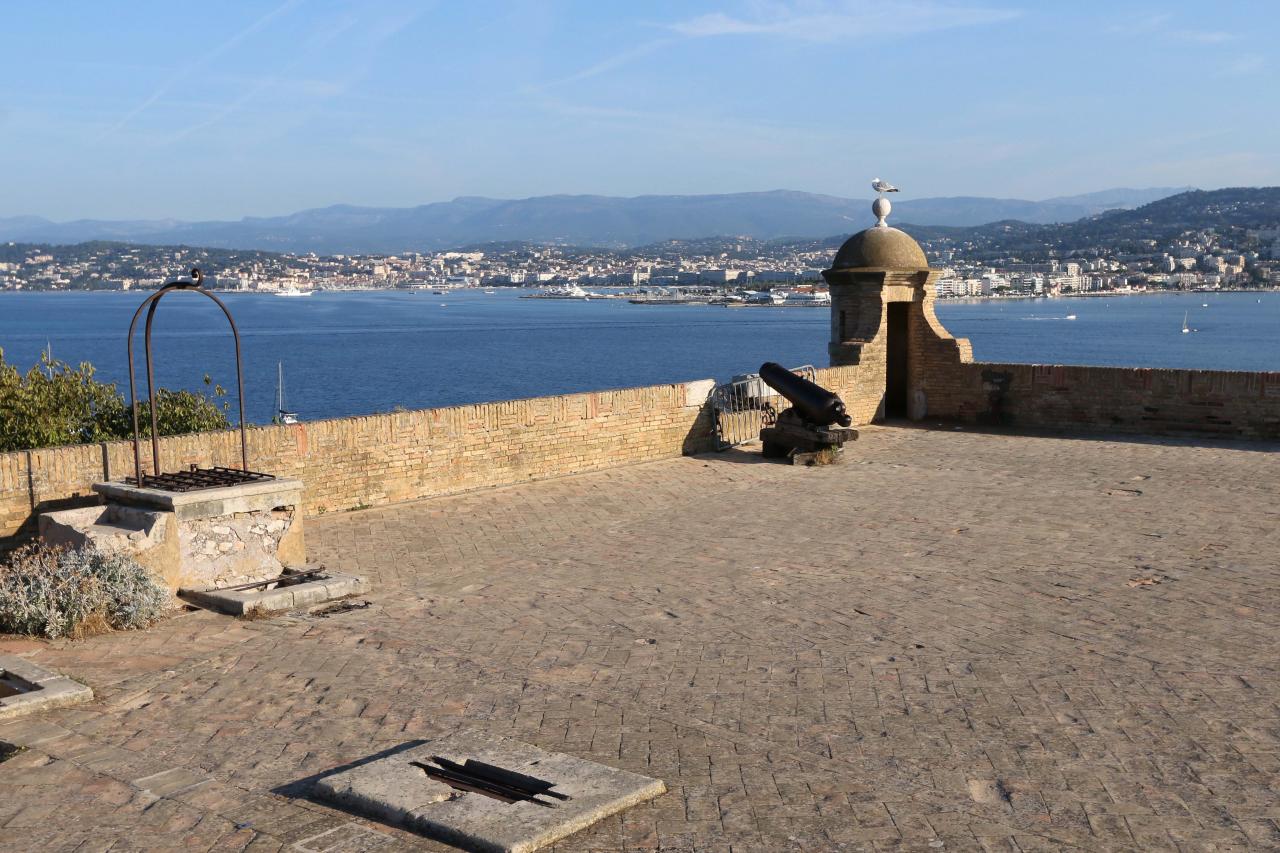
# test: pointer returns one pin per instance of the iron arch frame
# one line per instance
(151, 303)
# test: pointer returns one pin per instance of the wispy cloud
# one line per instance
(1243, 66)
(377, 31)
(617, 60)
(1162, 26)
(831, 20)
(1139, 25)
(808, 20)
(1202, 36)
(203, 58)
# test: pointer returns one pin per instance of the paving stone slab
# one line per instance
(331, 587)
(171, 781)
(42, 688)
(394, 790)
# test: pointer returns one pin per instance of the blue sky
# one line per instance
(221, 110)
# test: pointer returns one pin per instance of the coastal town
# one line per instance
(680, 270)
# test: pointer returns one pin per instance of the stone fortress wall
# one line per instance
(374, 460)
(889, 354)
(380, 459)
(1150, 401)
(882, 269)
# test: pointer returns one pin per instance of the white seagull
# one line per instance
(882, 186)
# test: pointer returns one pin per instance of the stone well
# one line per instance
(202, 539)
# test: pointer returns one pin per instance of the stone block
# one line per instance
(41, 688)
(395, 790)
(291, 549)
(147, 536)
(328, 587)
(258, 496)
(697, 393)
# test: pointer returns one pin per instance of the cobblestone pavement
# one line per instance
(953, 641)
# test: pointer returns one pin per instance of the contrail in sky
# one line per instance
(203, 58)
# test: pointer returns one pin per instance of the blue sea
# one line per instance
(375, 351)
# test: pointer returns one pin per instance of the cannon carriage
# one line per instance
(814, 429)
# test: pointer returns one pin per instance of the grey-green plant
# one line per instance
(67, 592)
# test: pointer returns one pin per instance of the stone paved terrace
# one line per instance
(948, 643)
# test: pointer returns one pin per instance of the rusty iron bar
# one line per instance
(496, 782)
(200, 478)
(291, 579)
(195, 283)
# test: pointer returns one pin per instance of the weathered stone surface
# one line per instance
(149, 537)
(255, 533)
(392, 789)
(332, 586)
(942, 608)
(225, 550)
(880, 247)
(256, 496)
(378, 459)
(50, 689)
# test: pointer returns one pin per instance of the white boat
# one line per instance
(566, 291)
(1185, 330)
(1071, 316)
(293, 291)
(815, 298)
(1204, 304)
(283, 415)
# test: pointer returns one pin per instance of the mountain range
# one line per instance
(577, 220)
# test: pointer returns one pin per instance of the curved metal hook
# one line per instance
(151, 303)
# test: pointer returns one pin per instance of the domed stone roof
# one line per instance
(881, 246)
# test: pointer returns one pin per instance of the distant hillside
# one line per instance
(1240, 207)
(564, 219)
(1121, 230)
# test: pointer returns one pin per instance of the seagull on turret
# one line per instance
(882, 186)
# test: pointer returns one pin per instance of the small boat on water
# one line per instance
(1071, 316)
(293, 291)
(283, 415)
(807, 299)
(1185, 329)
(566, 291)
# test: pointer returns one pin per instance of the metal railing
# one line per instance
(741, 406)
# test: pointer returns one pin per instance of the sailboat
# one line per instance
(283, 415)
(1184, 323)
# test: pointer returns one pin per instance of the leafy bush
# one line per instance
(53, 404)
(61, 592)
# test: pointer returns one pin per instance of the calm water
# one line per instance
(356, 353)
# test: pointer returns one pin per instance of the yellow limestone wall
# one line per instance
(379, 459)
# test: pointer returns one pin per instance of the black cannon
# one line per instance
(815, 427)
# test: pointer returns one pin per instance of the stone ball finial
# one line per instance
(881, 208)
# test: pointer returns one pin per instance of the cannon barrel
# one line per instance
(811, 401)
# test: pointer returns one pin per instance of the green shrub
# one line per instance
(60, 592)
(53, 404)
